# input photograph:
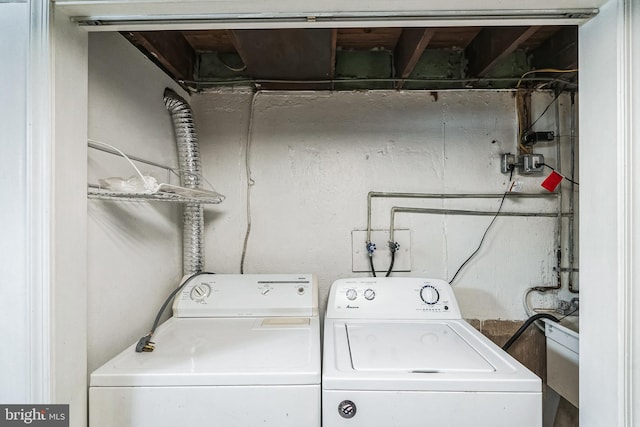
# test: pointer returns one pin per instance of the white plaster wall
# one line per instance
(14, 304)
(134, 248)
(314, 157)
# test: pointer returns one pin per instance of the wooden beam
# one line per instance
(492, 44)
(334, 47)
(411, 45)
(559, 51)
(168, 49)
(368, 38)
(287, 54)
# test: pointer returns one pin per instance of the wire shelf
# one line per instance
(162, 192)
(165, 193)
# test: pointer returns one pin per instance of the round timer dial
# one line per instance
(352, 294)
(429, 294)
(369, 294)
(200, 292)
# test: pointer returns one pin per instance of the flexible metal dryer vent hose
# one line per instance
(190, 173)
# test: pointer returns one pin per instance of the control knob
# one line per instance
(352, 294)
(429, 294)
(369, 294)
(199, 292)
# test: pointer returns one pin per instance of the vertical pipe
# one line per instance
(558, 242)
(572, 194)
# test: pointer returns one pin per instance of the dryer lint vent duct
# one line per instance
(190, 175)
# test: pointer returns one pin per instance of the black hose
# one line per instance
(525, 325)
(373, 270)
(393, 257)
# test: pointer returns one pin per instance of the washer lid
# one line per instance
(412, 347)
(215, 351)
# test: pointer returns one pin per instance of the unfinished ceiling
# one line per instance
(367, 58)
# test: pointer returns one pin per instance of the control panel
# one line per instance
(248, 295)
(392, 298)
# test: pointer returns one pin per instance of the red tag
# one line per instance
(552, 181)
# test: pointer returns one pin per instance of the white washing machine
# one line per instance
(397, 353)
(239, 351)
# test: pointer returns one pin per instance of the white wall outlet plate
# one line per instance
(382, 255)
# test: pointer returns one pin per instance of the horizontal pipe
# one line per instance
(475, 213)
(444, 211)
(568, 84)
(137, 159)
(459, 195)
(395, 195)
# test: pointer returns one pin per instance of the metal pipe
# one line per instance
(558, 242)
(572, 195)
(444, 211)
(137, 159)
(259, 82)
(190, 173)
(393, 195)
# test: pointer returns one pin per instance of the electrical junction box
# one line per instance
(509, 162)
(382, 254)
(527, 163)
(532, 163)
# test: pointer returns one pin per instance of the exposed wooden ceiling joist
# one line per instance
(492, 44)
(558, 51)
(453, 37)
(411, 45)
(368, 38)
(169, 49)
(209, 40)
(334, 47)
(368, 57)
(286, 54)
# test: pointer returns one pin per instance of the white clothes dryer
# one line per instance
(398, 353)
(239, 351)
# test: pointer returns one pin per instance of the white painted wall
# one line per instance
(134, 249)
(14, 303)
(315, 156)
